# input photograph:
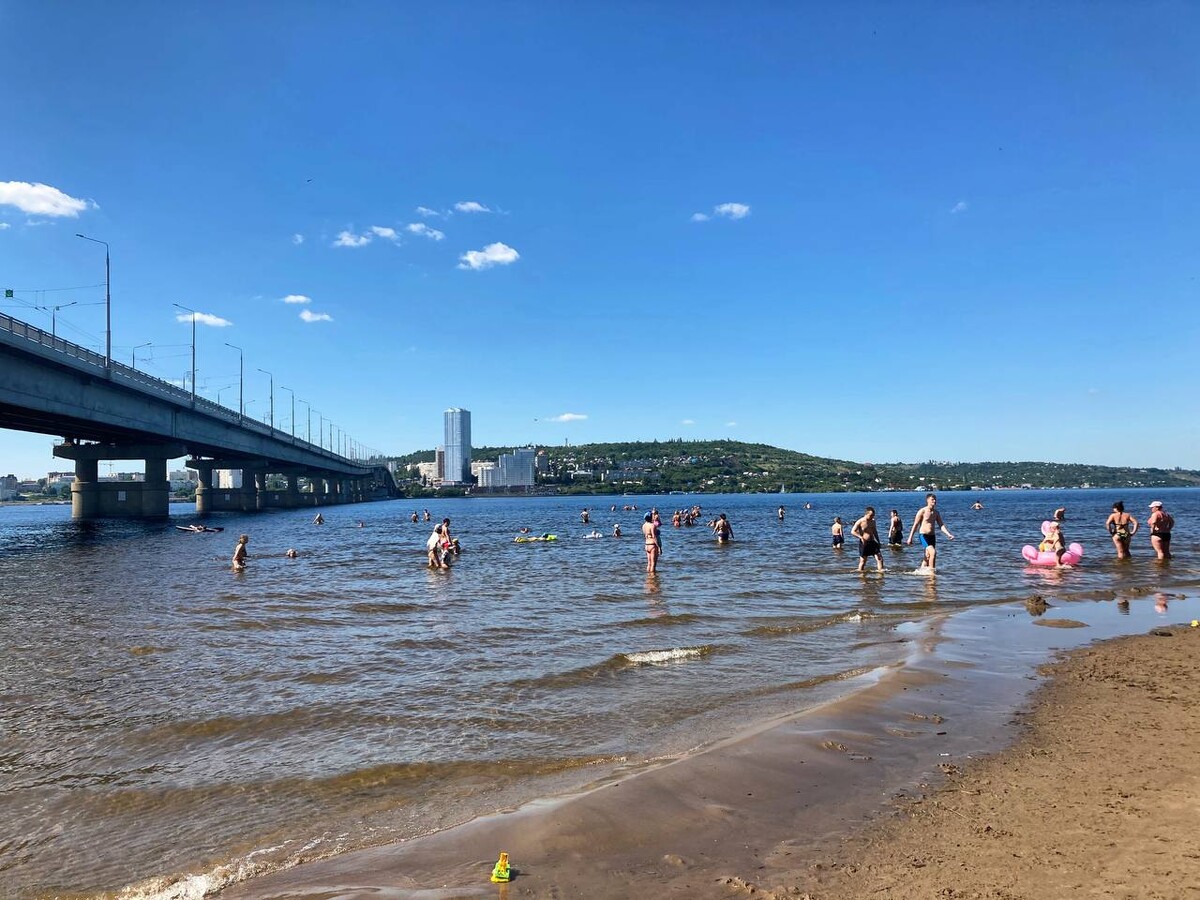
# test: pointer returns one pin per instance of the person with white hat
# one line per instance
(1160, 524)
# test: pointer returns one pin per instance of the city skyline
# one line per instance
(872, 233)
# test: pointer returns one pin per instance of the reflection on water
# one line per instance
(152, 702)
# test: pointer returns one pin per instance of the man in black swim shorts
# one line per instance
(867, 532)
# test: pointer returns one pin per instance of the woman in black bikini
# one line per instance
(1160, 524)
(1122, 526)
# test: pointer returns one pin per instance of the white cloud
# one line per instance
(496, 254)
(732, 210)
(388, 234)
(427, 212)
(470, 206)
(4, 225)
(960, 206)
(731, 424)
(309, 316)
(350, 239)
(297, 239)
(688, 422)
(422, 228)
(568, 417)
(203, 319)
(700, 217)
(41, 199)
(297, 298)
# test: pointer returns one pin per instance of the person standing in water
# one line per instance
(239, 553)
(1122, 526)
(650, 536)
(433, 549)
(779, 514)
(928, 520)
(836, 530)
(867, 532)
(318, 519)
(896, 530)
(723, 530)
(1160, 524)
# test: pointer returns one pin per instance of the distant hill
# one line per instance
(737, 467)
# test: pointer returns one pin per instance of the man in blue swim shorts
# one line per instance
(928, 520)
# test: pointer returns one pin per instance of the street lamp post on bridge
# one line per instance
(241, 381)
(193, 318)
(293, 393)
(272, 377)
(107, 302)
(133, 358)
(54, 315)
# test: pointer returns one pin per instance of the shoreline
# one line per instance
(1100, 795)
(760, 810)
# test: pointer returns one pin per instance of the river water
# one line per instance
(161, 715)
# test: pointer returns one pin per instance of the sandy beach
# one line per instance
(1099, 798)
(1093, 796)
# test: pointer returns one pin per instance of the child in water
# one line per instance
(1053, 542)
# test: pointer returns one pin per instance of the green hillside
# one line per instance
(737, 467)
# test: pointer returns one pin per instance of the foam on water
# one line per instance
(658, 657)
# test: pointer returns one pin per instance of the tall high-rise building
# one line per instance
(458, 446)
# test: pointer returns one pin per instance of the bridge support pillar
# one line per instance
(85, 492)
(203, 486)
(292, 497)
(156, 489)
(92, 498)
(259, 481)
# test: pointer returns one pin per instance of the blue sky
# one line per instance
(872, 231)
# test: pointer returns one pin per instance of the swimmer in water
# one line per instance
(723, 530)
(650, 536)
(239, 553)
(836, 530)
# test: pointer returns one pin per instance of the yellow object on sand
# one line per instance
(501, 871)
(1196, 623)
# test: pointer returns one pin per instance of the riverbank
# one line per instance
(1100, 797)
(836, 803)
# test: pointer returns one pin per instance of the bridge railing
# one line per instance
(90, 360)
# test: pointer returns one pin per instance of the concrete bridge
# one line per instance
(104, 410)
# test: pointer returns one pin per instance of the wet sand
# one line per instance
(890, 792)
(1099, 798)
